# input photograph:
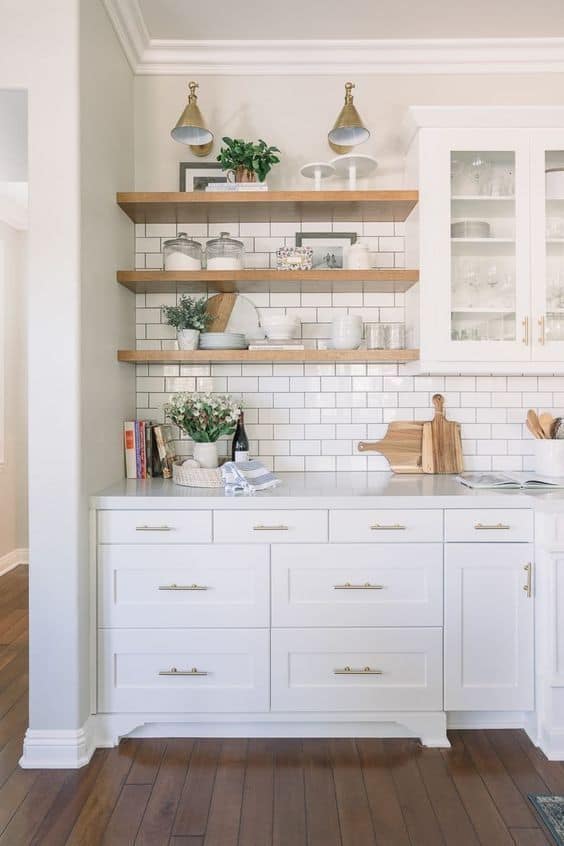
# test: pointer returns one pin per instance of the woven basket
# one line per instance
(196, 477)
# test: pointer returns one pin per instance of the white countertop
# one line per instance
(327, 490)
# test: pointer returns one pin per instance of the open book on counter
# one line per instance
(528, 481)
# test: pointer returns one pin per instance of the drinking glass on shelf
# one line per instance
(492, 282)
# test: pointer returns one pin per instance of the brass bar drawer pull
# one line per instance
(183, 587)
(365, 586)
(528, 586)
(270, 528)
(174, 672)
(361, 671)
(153, 528)
(492, 526)
(382, 527)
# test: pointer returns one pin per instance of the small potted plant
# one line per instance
(205, 418)
(247, 160)
(189, 317)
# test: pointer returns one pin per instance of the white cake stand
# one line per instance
(354, 165)
(317, 171)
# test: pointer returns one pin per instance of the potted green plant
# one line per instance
(205, 418)
(189, 317)
(247, 160)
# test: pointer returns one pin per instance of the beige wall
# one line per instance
(295, 114)
(13, 471)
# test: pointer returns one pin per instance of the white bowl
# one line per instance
(279, 327)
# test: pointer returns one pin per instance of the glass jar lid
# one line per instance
(224, 245)
(182, 242)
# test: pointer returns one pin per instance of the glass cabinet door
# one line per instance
(477, 196)
(488, 302)
(547, 233)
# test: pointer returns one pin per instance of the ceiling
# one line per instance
(373, 19)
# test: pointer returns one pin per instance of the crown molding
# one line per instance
(129, 24)
(318, 57)
(149, 56)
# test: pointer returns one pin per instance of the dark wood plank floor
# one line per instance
(263, 792)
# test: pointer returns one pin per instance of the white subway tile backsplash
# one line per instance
(312, 416)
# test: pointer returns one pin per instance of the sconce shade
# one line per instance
(349, 129)
(191, 128)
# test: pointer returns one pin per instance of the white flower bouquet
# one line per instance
(205, 417)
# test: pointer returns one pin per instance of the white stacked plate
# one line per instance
(223, 341)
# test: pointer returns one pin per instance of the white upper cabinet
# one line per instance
(488, 239)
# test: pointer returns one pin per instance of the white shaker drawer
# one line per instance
(386, 525)
(489, 524)
(154, 526)
(183, 586)
(357, 669)
(180, 670)
(276, 526)
(378, 585)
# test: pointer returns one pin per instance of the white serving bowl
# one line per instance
(279, 327)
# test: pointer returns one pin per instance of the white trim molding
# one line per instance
(59, 749)
(151, 56)
(13, 559)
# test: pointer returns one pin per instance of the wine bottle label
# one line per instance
(240, 456)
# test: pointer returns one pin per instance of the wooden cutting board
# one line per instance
(401, 445)
(220, 307)
(442, 444)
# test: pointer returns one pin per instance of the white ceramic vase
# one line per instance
(206, 455)
(188, 339)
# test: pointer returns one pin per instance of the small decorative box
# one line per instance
(294, 258)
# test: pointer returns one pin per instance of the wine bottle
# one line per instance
(240, 446)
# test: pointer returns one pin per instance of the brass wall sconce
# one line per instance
(191, 128)
(349, 129)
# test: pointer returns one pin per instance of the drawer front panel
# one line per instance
(386, 525)
(277, 526)
(183, 671)
(357, 669)
(183, 586)
(154, 526)
(489, 524)
(378, 585)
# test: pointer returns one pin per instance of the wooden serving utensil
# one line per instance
(546, 421)
(534, 425)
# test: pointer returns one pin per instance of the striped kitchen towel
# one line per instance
(246, 478)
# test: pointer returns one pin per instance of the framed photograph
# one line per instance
(196, 176)
(328, 247)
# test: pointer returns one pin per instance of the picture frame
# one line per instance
(195, 176)
(328, 247)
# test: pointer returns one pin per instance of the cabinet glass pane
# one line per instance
(482, 238)
(553, 328)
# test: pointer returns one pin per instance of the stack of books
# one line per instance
(149, 449)
(236, 186)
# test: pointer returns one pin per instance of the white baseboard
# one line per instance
(59, 749)
(13, 559)
(486, 719)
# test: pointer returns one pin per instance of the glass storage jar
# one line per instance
(224, 253)
(182, 253)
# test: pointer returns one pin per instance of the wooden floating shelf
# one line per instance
(166, 281)
(247, 356)
(279, 206)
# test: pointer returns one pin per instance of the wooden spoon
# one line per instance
(546, 421)
(533, 424)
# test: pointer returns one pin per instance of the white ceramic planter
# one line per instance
(549, 457)
(206, 455)
(188, 339)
